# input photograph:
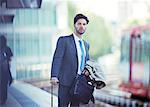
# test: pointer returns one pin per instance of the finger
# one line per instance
(54, 83)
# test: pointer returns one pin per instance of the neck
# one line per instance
(80, 36)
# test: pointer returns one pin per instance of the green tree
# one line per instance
(99, 36)
(71, 13)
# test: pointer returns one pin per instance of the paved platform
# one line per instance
(21, 94)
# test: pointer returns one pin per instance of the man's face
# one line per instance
(80, 26)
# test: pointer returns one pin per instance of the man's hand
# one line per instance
(11, 81)
(86, 72)
(54, 81)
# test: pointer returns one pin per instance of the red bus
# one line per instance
(135, 61)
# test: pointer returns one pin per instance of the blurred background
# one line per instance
(115, 33)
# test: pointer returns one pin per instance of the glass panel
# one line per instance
(32, 31)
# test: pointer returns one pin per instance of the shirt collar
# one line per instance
(76, 37)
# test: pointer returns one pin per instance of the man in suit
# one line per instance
(69, 59)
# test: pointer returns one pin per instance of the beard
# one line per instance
(80, 31)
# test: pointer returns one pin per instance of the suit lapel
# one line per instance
(86, 49)
(73, 45)
(73, 51)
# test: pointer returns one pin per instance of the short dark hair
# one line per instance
(80, 16)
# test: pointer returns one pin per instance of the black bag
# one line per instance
(82, 90)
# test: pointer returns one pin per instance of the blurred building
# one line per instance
(30, 26)
(133, 9)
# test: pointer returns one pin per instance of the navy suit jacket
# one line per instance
(65, 60)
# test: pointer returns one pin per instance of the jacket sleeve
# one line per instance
(58, 57)
(89, 51)
(88, 47)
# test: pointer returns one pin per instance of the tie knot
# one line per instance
(80, 41)
(81, 45)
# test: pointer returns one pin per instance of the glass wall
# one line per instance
(30, 39)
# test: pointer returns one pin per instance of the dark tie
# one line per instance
(82, 55)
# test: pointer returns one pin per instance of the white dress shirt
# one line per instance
(76, 38)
